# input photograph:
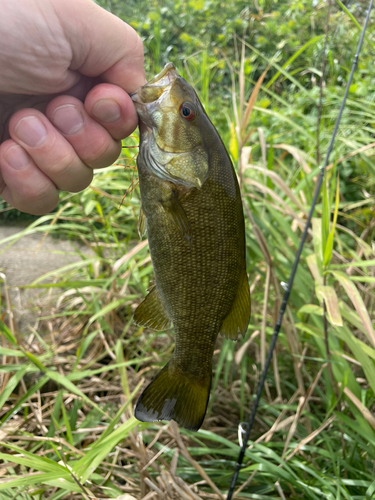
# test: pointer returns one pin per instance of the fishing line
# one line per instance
(295, 265)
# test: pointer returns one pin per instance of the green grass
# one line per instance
(68, 386)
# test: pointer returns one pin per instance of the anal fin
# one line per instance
(150, 313)
(235, 324)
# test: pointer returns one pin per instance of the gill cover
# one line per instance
(171, 138)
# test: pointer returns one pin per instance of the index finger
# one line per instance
(104, 45)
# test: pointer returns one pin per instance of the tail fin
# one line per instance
(175, 395)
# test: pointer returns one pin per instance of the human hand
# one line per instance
(66, 70)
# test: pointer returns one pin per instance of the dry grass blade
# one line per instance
(181, 487)
(154, 487)
(129, 255)
(9, 304)
(156, 456)
(251, 102)
(365, 411)
(264, 318)
(150, 495)
(358, 303)
(328, 295)
(176, 434)
(351, 154)
(279, 201)
(295, 348)
(276, 179)
(244, 484)
(244, 159)
(309, 438)
(297, 155)
(242, 350)
(279, 490)
(293, 427)
(259, 236)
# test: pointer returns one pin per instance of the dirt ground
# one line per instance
(26, 260)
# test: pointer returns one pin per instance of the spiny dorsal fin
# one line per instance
(150, 313)
(235, 324)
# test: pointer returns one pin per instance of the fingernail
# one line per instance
(107, 111)
(68, 119)
(17, 157)
(31, 131)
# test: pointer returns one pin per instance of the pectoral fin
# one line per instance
(177, 214)
(141, 223)
(235, 324)
(150, 313)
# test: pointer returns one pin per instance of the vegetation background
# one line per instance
(271, 75)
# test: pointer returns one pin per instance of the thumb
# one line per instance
(102, 44)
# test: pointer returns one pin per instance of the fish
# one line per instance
(192, 211)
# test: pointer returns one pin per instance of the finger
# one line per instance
(112, 107)
(119, 60)
(49, 150)
(22, 184)
(91, 142)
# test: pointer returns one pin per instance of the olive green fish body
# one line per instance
(197, 245)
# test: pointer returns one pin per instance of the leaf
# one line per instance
(326, 215)
(7, 333)
(99, 450)
(363, 279)
(310, 309)
(358, 349)
(35, 361)
(357, 302)
(314, 268)
(196, 4)
(329, 244)
(60, 379)
(11, 385)
(57, 479)
(316, 39)
(14, 409)
(328, 294)
(318, 242)
(105, 310)
(32, 460)
(233, 144)
(355, 263)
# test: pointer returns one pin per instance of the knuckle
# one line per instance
(104, 155)
(37, 200)
(70, 173)
(64, 162)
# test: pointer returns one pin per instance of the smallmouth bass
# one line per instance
(192, 210)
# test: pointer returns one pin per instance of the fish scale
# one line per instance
(194, 219)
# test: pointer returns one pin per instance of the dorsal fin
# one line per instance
(235, 324)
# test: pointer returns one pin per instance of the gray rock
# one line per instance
(27, 259)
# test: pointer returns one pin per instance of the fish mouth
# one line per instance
(156, 87)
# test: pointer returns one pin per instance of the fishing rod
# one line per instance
(288, 287)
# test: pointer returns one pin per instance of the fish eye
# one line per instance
(187, 111)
